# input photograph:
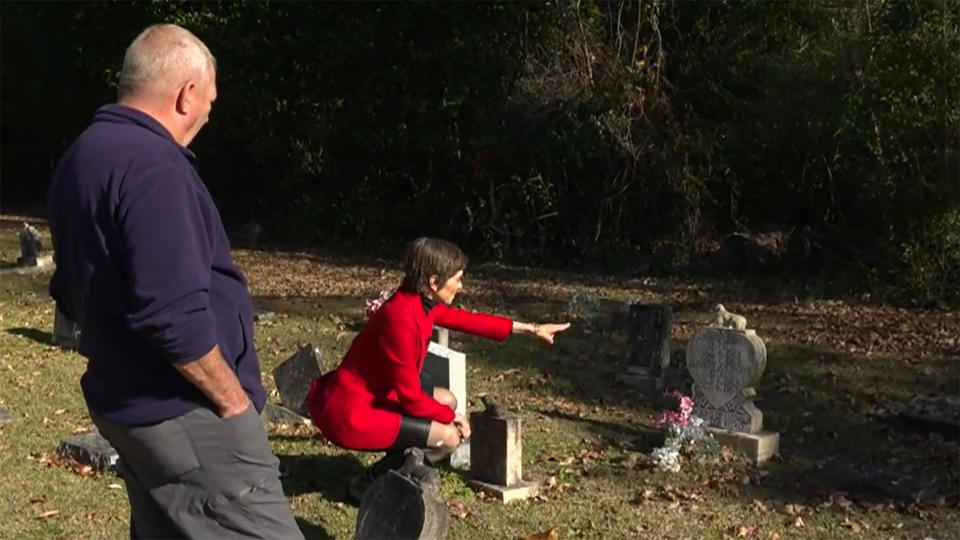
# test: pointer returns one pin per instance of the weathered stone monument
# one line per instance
(90, 448)
(404, 503)
(447, 368)
(295, 375)
(726, 361)
(30, 246)
(66, 333)
(496, 459)
(648, 346)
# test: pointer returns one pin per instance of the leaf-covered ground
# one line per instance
(837, 374)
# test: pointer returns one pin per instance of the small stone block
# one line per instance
(643, 383)
(6, 416)
(441, 336)
(90, 448)
(517, 492)
(295, 376)
(497, 453)
(759, 447)
(278, 414)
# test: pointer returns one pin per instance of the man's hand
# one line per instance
(235, 409)
(211, 374)
(463, 426)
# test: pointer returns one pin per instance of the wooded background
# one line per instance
(557, 133)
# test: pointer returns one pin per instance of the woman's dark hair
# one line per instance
(427, 257)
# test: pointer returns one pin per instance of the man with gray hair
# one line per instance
(144, 267)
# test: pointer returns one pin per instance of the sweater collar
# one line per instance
(121, 114)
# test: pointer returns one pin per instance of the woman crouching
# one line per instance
(373, 401)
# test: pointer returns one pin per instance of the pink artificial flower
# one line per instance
(375, 304)
(680, 416)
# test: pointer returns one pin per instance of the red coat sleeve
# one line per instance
(478, 324)
(399, 340)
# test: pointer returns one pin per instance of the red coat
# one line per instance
(358, 405)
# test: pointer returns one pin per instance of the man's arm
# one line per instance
(166, 259)
(211, 374)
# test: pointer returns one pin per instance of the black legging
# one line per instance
(413, 432)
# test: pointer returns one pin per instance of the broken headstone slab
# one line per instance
(932, 415)
(6, 416)
(869, 482)
(404, 503)
(66, 333)
(295, 376)
(262, 316)
(278, 414)
(90, 448)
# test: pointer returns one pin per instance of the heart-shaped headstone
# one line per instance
(723, 362)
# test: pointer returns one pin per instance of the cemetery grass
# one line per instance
(837, 373)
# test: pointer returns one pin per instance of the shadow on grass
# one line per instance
(45, 338)
(311, 531)
(639, 439)
(316, 473)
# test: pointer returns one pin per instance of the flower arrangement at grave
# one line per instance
(374, 304)
(686, 438)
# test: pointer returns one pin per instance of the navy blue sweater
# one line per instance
(144, 267)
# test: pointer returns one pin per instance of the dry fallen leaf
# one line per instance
(47, 514)
(38, 499)
(114, 486)
(549, 534)
(458, 509)
(798, 523)
(746, 530)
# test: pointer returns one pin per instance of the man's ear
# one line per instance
(434, 283)
(185, 98)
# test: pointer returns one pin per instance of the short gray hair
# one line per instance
(161, 58)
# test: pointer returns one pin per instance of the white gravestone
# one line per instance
(726, 364)
(447, 368)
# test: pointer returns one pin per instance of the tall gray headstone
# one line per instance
(295, 375)
(447, 368)
(91, 449)
(404, 503)
(648, 346)
(66, 333)
(496, 457)
(726, 364)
